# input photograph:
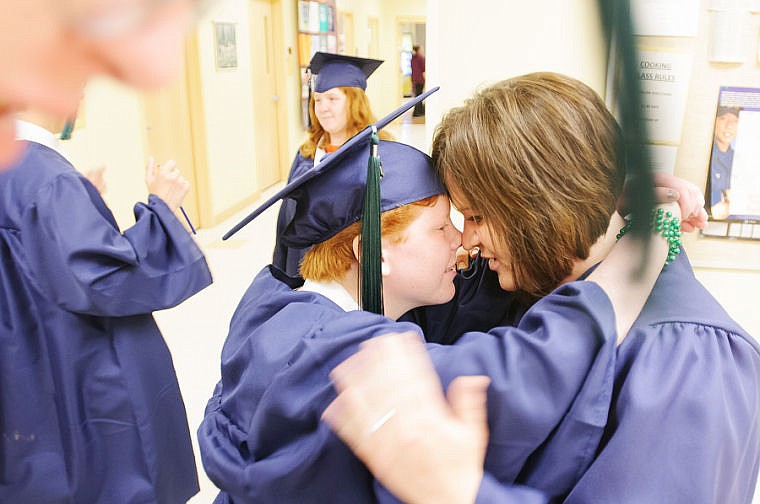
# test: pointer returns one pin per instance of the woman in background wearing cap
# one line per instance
(262, 439)
(338, 109)
(533, 164)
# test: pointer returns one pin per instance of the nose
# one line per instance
(469, 236)
(456, 238)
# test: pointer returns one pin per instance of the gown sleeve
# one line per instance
(490, 491)
(288, 259)
(493, 492)
(82, 262)
(563, 345)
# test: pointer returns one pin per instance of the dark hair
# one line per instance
(722, 110)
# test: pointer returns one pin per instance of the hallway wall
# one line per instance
(489, 41)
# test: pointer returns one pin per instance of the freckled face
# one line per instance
(423, 263)
(330, 109)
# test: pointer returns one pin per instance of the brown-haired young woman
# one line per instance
(534, 165)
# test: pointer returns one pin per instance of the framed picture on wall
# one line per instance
(225, 45)
(732, 192)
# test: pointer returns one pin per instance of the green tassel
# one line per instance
(371, 280)
(68, 128)
(618, 26)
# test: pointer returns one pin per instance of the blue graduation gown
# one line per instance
(262, 439)
(90, 408)
(683, 421)
(288, 259)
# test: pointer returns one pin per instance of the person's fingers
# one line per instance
(665, 195)
(467, 398)
(701, 220)
(170, 166)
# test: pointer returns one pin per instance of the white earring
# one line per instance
(385, 270)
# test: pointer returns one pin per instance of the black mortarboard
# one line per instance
(339, 70)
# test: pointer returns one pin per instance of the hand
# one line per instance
(392, 413)
(166, 182)
(96, 176)
(691, 200)
(669, 188)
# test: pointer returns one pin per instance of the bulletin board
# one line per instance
(722, 55)
(317, 31)
(732, 192)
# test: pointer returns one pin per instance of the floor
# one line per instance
(195, 331)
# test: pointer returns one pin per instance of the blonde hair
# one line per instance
(538, 158)
(359, 116)
(332, 259)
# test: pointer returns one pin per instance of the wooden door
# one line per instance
(168, 135)
(265, 98)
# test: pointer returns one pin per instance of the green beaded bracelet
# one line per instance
(665, 224)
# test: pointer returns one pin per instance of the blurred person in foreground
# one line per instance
(92, 410)
(50, 48)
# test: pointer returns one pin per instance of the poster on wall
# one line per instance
(664, 83)
(225, 45)
(732, 192)
(664, 78)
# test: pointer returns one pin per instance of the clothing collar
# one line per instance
(318, 155)
(33, 133)
(332, 291)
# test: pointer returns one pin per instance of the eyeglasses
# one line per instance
(109, 19)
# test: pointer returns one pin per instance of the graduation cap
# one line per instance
(339, 70)
(350, 184)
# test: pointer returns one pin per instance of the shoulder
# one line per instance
(668, 302)
(37, 172)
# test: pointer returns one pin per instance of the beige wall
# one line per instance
(113, 136)
(228, 110)
(489, 41)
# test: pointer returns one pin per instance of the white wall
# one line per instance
(228, 110)
(487, 41)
